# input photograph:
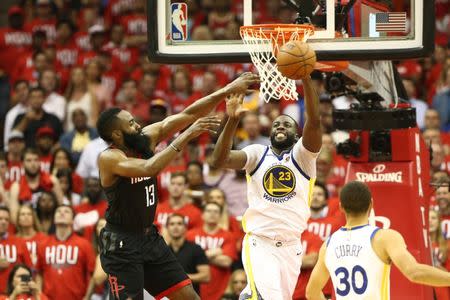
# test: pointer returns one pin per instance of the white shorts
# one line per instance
(272, 268)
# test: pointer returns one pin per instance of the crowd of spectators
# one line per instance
(63, 62)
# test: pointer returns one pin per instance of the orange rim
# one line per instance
(273, 30)
(332, 66)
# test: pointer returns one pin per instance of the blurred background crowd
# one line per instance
(62, 62)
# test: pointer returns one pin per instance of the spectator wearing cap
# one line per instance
(97, 40)
(66, 49)
(45, 142)
(36, 117)
(80, 96)
(44, 20)
(14, 39)
(20, 98)
(158, 110)
(32, 184)
(76, 140)
(16, 145)
(54, 102)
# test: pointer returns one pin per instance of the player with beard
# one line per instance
(133, 254)
(280, 183)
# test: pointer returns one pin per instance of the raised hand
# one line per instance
(234, 105)
(242, 83)
(206, 124)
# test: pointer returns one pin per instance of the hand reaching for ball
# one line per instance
(234, 105)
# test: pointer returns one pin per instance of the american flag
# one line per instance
(390, 22)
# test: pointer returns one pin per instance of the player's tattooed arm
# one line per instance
(200, 108)
(312, 131)
(223, 156)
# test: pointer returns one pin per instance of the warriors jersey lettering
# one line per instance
(355, 269)
(279, 189)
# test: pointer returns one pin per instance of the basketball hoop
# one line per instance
(263, 42)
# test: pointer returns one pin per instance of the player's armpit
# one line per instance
(319, 278)
(395, 247)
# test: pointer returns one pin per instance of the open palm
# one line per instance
(234, 105)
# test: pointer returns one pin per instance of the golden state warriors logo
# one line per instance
(279, 183)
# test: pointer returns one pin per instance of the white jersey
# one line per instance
(278, 191)
(355, 269)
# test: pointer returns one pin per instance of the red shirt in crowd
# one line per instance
(67, 55)
(33, 244)
(164, 181)
(128, 57)
(445, 223)
(15, 251)
(13, 44)
(15, 171)
(66, 267)
(26, 194)
(442, 293)
(100, 207)
(192, 215)
(49, 26)
(82, 40)
(46, 162)
(134, 24)
(219, 276)
(311, 243)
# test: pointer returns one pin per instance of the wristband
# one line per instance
(175, 148)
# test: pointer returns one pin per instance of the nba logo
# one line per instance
(179, 21)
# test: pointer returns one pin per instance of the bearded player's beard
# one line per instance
(139, 143)
(285, 144)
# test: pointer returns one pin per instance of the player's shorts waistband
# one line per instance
(275, 242)
(117, 228)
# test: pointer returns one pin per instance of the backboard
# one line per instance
(207, 31)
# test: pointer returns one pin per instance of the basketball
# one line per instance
(296, 60)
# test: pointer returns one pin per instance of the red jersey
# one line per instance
(82, 40)
(128, 57)
(15, 251)
(442, 293)
(85, 57)
(67, 55)
(112, 80)
(26, 194)
(46, 162)
(115, 8)
(33, 244)
(134, 24)
(13, 43)
(66, 267)
(15, 171)
(192, 215)
(311, 243)
(178, 104)
(325, 226)
(49, 26)
(219, 276)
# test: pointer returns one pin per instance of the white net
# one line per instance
(263, 43)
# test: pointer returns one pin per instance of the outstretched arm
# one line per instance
(312, 131)
(319, 278)
(395, 247)
(223, 157)
(200, 108)
(117, 163)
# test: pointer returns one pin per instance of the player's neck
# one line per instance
(354, 221)
(63, 232)
(278, 151)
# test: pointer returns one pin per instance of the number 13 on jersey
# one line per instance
(150, 193)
